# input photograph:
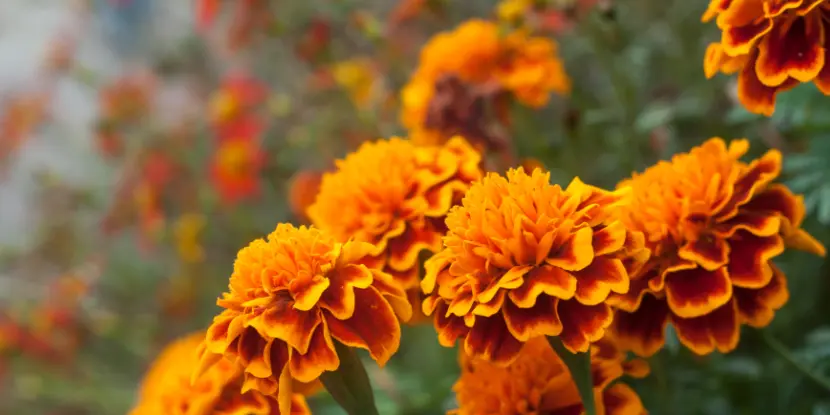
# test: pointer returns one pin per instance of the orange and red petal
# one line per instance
(791, 51)
(756, 223)
(405, 249)
(547, 279)
(582, 324)
(757, 307)
(541, 319)
(450, 328)
(709, 253)
(749, 265)
(609, 239)
(306, 292)
(759, 174)
(643, 331)
(596, 281)
(321, 357)
(490, 339)
(576, 253)
(620, 399)
(720, 329)
(290, 325)
(696, 292)
(339, 298)
(372, 327)
(739, 40)
(441, 198)
(254, 353)
(754, 95)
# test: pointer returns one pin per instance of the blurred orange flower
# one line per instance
(302, 192)
(128, 98)
(167, 388)
(395, 196)
(291, 297)
(236, 97)
(150, 214)
(773, 45)
(524, 259)
(477, 53)
(20, 116)
(538, 382)
(714, 224)
(238, 160)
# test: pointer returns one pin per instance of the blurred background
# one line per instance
(123, 203)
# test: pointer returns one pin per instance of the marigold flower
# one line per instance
(523, 259)
(538, 382)
(235, 168)
(167, 388)
(395, 196)
(773, 44)
(291, 296)
(525, 66)
(713, 223)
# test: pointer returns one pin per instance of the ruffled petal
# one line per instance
(541, 319)
(749, 263)
(583, 324)
(719, 330)
(321, 357)
(372, 327)
(696, 292)
(643, 331)
(491, 340)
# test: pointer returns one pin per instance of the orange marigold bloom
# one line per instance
(773, 44)
(395, 196)
(167, 388)
(523, 259)
(538, 382)
(291, 296)
(526, 66)
(713, 223)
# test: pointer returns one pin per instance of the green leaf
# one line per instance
(349, 385)
(579, 364)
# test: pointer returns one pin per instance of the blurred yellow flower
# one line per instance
(358, 77)
(512, 10)
(188, 230)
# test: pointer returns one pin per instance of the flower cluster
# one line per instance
(487, 63)
(713, 224)
(523, 258)
(773, 45)
(395, 196)
(291, 297)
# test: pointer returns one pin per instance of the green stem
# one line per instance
(785, 353)
(349, 385)
(579, 364)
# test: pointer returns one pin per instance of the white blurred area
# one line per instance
(111, 38)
